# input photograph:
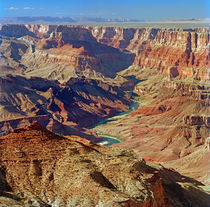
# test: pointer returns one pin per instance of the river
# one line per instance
(109, 140)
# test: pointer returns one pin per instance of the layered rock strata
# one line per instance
(177, 53)
(171, 124)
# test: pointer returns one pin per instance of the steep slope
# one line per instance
(175, 52)
(35, 163)
(73, 50)
(79, 102)
(20, 30)
(195, 165)
(171, 123)
(15, 30)
(182, 53)
(10, 55)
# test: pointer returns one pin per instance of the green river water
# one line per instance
(108, 140)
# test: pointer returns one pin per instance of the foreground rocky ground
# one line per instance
(39, 168)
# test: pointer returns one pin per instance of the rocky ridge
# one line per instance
(34, 162)
(78, 102)
(179, 53)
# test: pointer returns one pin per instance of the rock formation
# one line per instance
(177, 53)
(170, 125)
(79, 102)
(75, 47)
(70, 77)
(35, 162)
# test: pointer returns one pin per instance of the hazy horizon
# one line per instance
(149, 10)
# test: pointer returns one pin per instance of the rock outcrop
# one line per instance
(40, 30)
(198, 91)
(34, 163)
(197, 120)
(175, 52)
(79, 102)
(51, 124)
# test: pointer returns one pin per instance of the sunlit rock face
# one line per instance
(35, 163)
(180, 53)
(79, 102)
(175, 52)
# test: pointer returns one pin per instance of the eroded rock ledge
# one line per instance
(180, 53)
(42, 168)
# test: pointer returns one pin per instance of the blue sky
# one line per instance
(135, 9)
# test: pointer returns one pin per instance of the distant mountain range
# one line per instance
(189, 20)
(47, 19)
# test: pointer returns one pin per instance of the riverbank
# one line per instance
(108, 140)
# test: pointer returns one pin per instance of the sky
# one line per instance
(132, 9)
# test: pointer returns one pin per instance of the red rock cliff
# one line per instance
(180, 53)
(175, 52)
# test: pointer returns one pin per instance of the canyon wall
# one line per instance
(41, 30)
(175, 52)
(77, 103)
(180, 53)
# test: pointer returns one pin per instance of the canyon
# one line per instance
(69, 77)
(180, 53)
(63, 108)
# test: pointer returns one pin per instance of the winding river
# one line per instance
(108, 140)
